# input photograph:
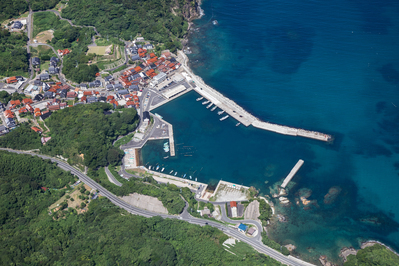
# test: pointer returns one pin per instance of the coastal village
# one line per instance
(150, 82)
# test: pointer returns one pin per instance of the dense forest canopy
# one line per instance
(12, 8)
(104, 235)
(13, 56)
(37, 5)
(86, 130)
(21, 138)
(373, 255)
(153, 19)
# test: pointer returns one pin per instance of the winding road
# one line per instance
(185, 216)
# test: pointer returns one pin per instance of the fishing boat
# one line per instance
(163, 168)
(215, 22)
(171, 172)
(184, 176)
(191, 177)
(209, 105)
(166, 157)
(199, 99)
(195, 179)
(224, 118)
(157, 168)
(206, 102)
(220, 112)
(149, 167)
(175, 173)
(213, 108)
(238, 124)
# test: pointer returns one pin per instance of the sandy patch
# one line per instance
(227, 192)
(44, 36)
(145, 202)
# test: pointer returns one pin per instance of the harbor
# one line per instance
(238, 113)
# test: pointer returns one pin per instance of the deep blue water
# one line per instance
(331, 66)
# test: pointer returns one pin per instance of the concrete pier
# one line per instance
(237, 112)
(171, 140)
(292, 173)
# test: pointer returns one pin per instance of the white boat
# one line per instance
(149, 167)
(220, 112)
(163, 168)
(171, 172)
(175, 173)
(184, 176)
(206, 102)
(191, 177)
(209, 105)
(157, 168)
(215, 22)
(195, 179)
(224, 117)
(199, 99)
(213, 108)
(238, 124)
(166, 157)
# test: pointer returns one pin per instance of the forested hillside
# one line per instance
(85, 132)
(373, 255)
(37, 5)
(104, 235)
(12, 8)
(13, 57)
(125, 18)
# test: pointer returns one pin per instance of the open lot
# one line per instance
(145, 202)
(44, 36)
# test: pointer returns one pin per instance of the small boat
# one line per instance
(224, 117)
(157, 168)
(206, 102)
(163, 168)
(166, 157)
(149, 167)
(215, 22)
(213, 108)
(171, 172)
(195, 179)
(209, 105)
(220, 112)
(175, 173)
(184, 176)
(199, 99)
(191, 177)
(238, 124)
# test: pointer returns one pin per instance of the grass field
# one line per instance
(98, 50)
(124, 140)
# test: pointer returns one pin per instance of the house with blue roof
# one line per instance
(242, 228)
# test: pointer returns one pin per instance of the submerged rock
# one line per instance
(332, 194)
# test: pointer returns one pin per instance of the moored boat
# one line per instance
(209, 105)
(157, 168)
(213, 108)
(206, 102)
(199, 99)
(171, 172)
(238, 124)
(163, 168)
(224, 117)
(220, 112)
(175, 173)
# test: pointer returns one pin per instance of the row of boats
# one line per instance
(171, 172)
(166, 146)
(213, 108)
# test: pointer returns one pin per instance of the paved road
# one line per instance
(112, 177)
(255, 243)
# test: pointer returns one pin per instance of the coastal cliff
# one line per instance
(190, 10)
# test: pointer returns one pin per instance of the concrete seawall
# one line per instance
(237, 112)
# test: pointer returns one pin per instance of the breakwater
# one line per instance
(238, 113)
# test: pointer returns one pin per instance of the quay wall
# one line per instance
(237, 112)
(297, 166)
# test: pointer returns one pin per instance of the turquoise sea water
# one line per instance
(326, 66)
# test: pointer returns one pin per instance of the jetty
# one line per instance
(171, 140)
(238, 113)
(292, 173)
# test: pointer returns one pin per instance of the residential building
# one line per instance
(35, 61)
(3, 130)
(49, 94)
(38, 97)
(17, 25)
(53, 70)
(109, 78)
(45, 115)
(10, 122)
(109, 87)
(71, 95)
(135, 57)
(102, 99)
(233, 206)
(159, 78)
(37, 82)
(44, 76)
(63, 93)
(251, 231)
(92, 99)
